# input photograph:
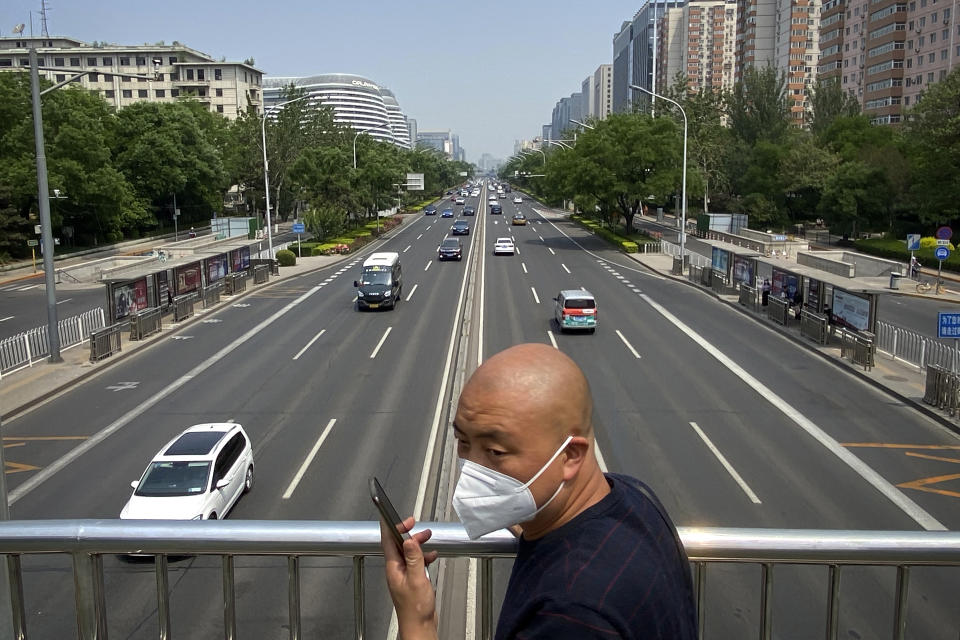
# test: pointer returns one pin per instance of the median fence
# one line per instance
(23, 349)
(914, 348)
(88, 541)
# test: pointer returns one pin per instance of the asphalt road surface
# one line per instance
(679, 380)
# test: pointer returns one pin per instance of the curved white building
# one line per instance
(356, 102)
(398, 121)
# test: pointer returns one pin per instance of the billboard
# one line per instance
(720, 259)
(188, 278)
(850, 310)
(784, 284)
(216, 268)
(743, 270)
(240, 259)
(129, 298)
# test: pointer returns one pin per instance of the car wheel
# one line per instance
(248, 481)
(593, 330)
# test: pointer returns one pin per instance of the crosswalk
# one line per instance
(20, 287)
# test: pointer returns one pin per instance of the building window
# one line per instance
(6, 62)
(200, 74)
(944, 54)
(933, 37)
(172, 59)
(58, 62)
(923, 21)
(159, 77)
(219, 108)
(91, 62)
(217, 74)
(161, 93)
(124, 61)
(932, 58)
(93, 77)
(107, 77)
(25, 62)
(141, 93)
(943, 75)
(174, 93)
(175, 75)
(127, 93)
(202, 93)
(930, 77)
(189, 74)
(107, 62)
(61, 77)
(219, 93)
(74, 62)
(109, 93)
(141, 61)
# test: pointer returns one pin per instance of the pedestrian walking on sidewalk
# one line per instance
(764, 292)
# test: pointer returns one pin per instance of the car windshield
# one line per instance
(580, 303)
(170, 479)
(450, 244)
(380, 276)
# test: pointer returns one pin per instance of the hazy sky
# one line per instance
(489, 71)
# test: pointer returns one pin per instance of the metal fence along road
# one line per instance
(88, 541)
(914, 348)
(695, 259)
(23, 349)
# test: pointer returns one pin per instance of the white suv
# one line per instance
(199, 475)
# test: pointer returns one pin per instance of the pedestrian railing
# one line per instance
(211, 294)
(106, 341)
(145, 323)
(812, 325)
(942, 389)
(183, 306)
(235, 283)
(915, 348)
(694, 259)
(748, 296)
(88, 541)
(859, 346)
(23, 349)
(777, 309)
(650, 247)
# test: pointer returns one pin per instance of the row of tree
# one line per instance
(744, 156)
(119, 173)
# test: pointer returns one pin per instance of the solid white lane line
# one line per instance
(552, 252)
(726, 465)
(407, 249)
(60, 463)
(535, 296)
(897, 497)
(309, 344)
(553, 340)
(7, 318)
(565, 267)
(410, 295)
(430, 262)
(522, 264)
(62, 301)
(629, 346)
(306, 463)
(382, 340)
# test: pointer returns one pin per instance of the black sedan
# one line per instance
(496, 209)
(430, 211)
(447, 213)
(450, 249)
(469, 211)
(460, 228)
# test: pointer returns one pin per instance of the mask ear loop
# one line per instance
(549, 462)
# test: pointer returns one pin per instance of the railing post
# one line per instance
(163, 596)
(900, 613)
(229, 600)
(88, 591)
(833, 602)
(18, 612)
(701, 585)
(486, 598)
(293, 595)
(766, 601)
(358, 595)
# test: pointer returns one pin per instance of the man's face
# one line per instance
(506, 433)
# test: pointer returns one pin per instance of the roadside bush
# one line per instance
(930, 242)
(324, 249)
(629, 246)
(286, 258)
(895, 249)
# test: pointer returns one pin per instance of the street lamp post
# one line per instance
(540, 151)
(683, 206)
(266, 170)
(582, 124)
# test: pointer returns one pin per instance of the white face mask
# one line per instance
(486, 500)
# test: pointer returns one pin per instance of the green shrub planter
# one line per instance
(286, 258)
(629, 246)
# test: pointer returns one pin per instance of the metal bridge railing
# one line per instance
(23, 349)
(87, 541)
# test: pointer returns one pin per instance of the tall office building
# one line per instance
(756, 30)
(356, 102)
(634, 53)
(566, 109)
(698, 40)
(442, 140)
(412, 131)
(602, 91)
(587, 93)
(797, 51)
(546, 132)
(169, 72)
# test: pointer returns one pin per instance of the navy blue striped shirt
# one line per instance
(614, 571)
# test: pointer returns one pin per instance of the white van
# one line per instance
(381, 281)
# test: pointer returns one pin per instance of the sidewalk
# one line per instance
(903, 381)
(28, 387)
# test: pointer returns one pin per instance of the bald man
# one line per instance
(598, 557)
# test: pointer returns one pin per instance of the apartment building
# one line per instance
(634, 53)
(797, 50)
(169, 72)
(698, 40)
(932, 47)
(602, 103)
(756, 31)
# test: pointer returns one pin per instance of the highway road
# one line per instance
(731, 425)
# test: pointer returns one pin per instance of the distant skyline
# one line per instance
(490, 74)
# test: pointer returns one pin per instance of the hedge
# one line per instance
(286, 258)
(897, 250)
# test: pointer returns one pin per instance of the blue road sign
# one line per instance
(948, 324)
(913, 242)
(299, 227)
(944, 233)
(942, 253)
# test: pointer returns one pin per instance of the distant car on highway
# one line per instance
(460, 200)
(469, 211)
(430, 211)
(496, 210)
(517, 200)
(492, 197)
(199, 475)
(447, 213)
(519, 219)
(575, 309)
(460, 228)
(504, 246)
(450, 249)
(494, 203)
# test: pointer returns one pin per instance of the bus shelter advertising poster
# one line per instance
(849, 310)
(188, 278)
(743, 270)
(719, 259)
(240, 259)
(784, 285)
(129, 298)
(216, 268)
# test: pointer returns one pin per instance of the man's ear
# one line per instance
(575, 454)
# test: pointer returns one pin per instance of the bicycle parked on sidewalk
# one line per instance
(924, 286)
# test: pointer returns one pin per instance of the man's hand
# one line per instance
(409, 586)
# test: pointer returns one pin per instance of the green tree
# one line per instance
(828, 101)
(757, 106)
(325, 221)
(855, 197)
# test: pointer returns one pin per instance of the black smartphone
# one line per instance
(388, 513)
